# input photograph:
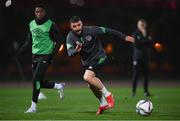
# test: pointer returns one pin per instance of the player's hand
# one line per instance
(129, 39)
(78, 47)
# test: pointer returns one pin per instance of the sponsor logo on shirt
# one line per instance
(37, 32)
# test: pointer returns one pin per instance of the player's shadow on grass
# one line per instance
(92, 112)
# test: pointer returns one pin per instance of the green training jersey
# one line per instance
(41, 42)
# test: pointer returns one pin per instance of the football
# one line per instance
(144, 107)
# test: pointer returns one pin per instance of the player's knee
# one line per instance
(87, 77)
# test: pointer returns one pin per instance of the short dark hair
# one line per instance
(74, 19)
(142, 20)
(41, 6)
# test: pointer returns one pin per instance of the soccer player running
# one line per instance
(45, 39)
(83, 40)
(141, 56)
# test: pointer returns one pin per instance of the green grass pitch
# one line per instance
(80, 104)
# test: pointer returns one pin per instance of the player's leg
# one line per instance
(37, 73)
(90, 77)
(103, 103)
(95, 91)
(49, 84)
(146, 77)
(41, 94)
(38, 78)
(38, 82)
(136, 69)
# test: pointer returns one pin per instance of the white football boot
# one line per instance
(31, 110)
(61, 90)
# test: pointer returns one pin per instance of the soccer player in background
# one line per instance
(45, 39)
(83, 40)
(141, 56)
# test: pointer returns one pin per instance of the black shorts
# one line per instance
(95, 65)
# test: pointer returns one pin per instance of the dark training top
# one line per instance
(91, 48)
(141, 47)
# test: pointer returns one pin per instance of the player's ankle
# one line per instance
(103, 101)
(33, 105)
(105, 92)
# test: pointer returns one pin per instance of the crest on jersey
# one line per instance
(88, 37)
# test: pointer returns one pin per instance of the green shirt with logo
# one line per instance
(41, 42)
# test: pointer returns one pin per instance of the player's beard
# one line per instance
(78, 32)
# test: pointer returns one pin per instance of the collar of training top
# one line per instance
(39, 22)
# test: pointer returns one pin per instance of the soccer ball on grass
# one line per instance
(144, 107)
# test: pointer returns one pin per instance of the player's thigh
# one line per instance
(34, 65)
(40, 69)
(136, 65)
(145, 68)
(88, 74)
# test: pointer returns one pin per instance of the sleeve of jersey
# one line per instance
(56, 37)
(55, 34)
(103, 30)
(114, 32)
(70, 46)
(98, 30)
